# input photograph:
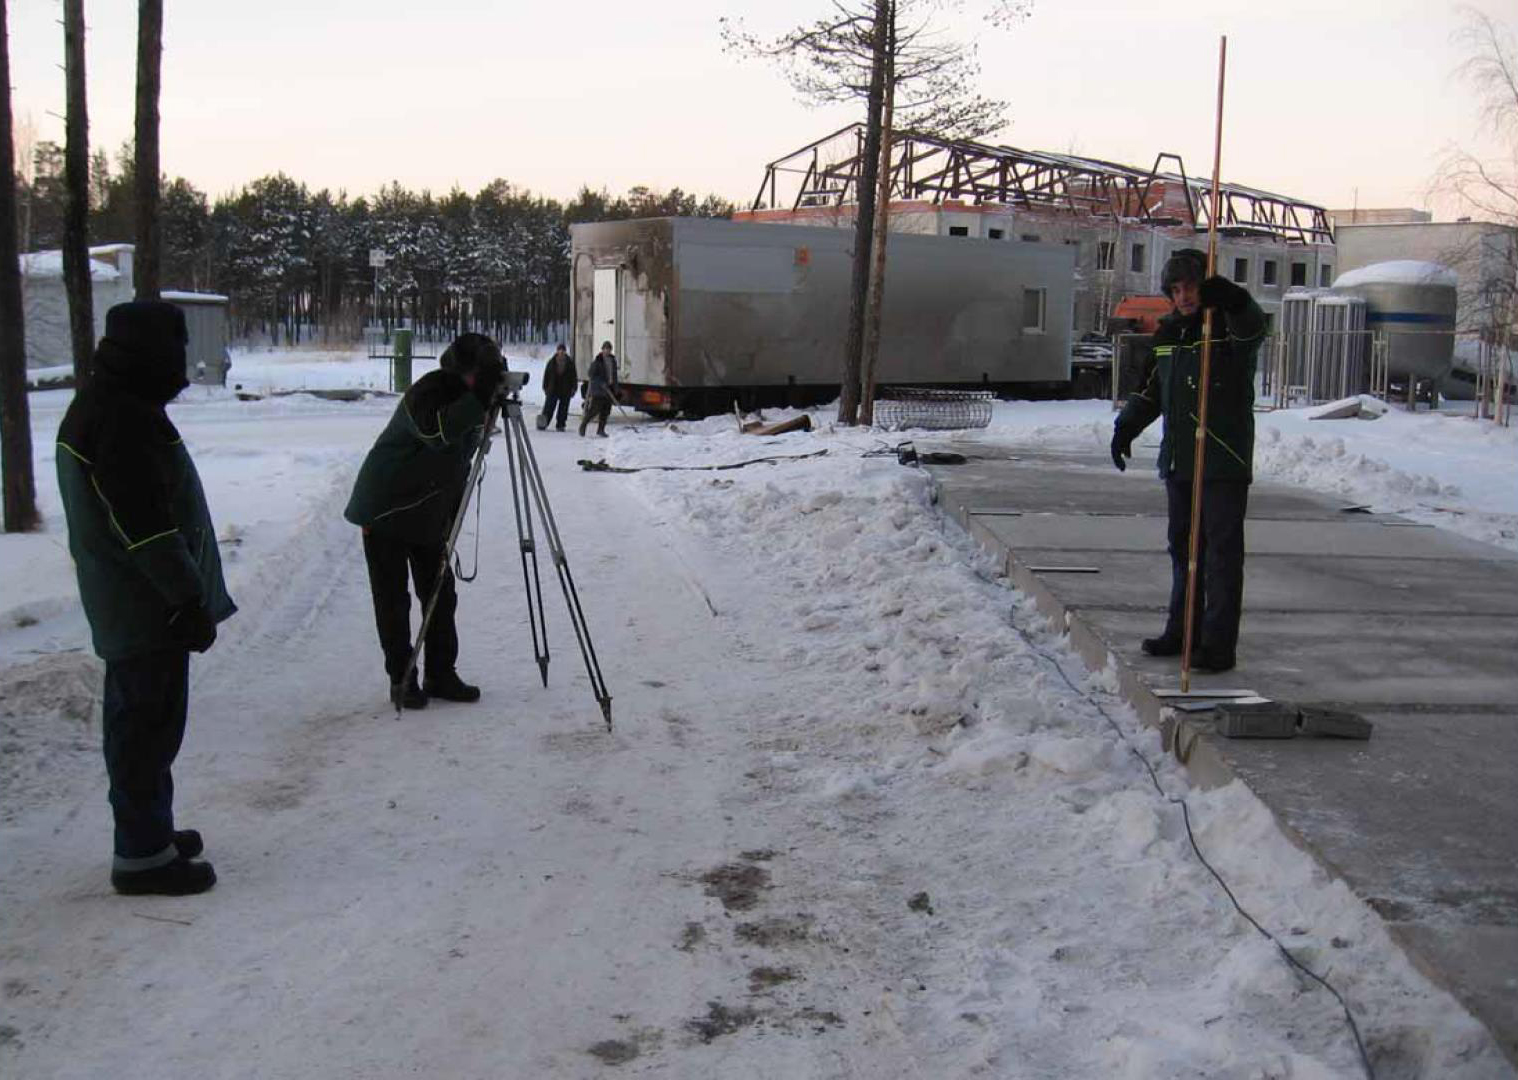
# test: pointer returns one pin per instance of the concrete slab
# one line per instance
(1415, 629)
(1282, 583)
(1090, 485)
(1359, 535)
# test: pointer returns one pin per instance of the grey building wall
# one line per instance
(1113, 259)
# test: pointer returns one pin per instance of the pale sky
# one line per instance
(1324, 98)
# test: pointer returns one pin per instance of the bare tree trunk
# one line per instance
(864, 225)
(76, 211)
(149, 255)
(20, 488)
(881, 225)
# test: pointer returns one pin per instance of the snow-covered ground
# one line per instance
(862, 815)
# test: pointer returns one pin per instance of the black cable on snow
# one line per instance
(601, 466)
(1349, 1016)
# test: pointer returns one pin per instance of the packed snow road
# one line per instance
(854, 820)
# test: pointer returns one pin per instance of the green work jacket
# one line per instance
(139, 528)
(1170, 389)
(410, 484)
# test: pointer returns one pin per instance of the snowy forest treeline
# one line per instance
(295, 263)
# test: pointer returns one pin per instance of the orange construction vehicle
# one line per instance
(1140, 314)
(1132, 328)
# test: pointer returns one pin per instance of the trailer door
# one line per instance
(608, 293)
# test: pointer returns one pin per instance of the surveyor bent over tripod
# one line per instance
(599, 389)
(1169, 389)
(149, 578)
(407, 492)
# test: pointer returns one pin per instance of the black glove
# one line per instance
(1122, 447)
(191, 627)
(487, 381)
(1220, 293)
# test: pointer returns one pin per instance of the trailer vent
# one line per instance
(900, 407)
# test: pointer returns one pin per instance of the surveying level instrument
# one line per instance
(529, 498)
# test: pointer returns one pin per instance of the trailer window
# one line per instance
(1136, 258)
(1241, 270)
(1299, 273)
(1268, 272)
(1325, 275)
(996, 234)
(1030, 238)
(1033, 310)
(1105, 254)
(959, 230)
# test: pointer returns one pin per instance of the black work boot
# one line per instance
(409, 696)
(1164, 645)
(450, 687)
(181, 877)
(1209, 659)
(188, 843)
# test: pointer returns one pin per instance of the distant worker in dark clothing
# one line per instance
(559, 381)
(406, 495)
(150, 581)
(599, 390)
(1170, 390)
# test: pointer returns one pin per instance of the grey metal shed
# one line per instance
(205, 315)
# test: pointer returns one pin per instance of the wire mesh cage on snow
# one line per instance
(900, 407)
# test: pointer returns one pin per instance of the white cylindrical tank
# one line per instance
(1413, 304)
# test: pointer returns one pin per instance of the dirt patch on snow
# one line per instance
(621, 1051)
(737, 885)
(720, 1020)
(776, 930)
(761, 979)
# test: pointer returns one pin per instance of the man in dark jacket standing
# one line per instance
(558, 389)
(149, 578)
(600, 390)
(407, 492)
(1170, 390)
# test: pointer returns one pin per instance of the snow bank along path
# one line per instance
(852, 822)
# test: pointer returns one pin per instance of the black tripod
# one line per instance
(528, 495)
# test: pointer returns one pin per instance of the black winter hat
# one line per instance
(1184, 264)
(148, 328)
(143, 350)
(471, 352)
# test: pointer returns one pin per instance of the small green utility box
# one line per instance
(400, 362)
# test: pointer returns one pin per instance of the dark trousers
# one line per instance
(555, 407)
(389, 559)
(597, 410)
(143, 722)
(1220, 561)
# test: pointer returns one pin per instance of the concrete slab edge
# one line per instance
(1193, 746)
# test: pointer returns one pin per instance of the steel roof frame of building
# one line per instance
(935, 168)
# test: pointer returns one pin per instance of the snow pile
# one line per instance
(49, 730)
(1399, 272)
(43, 264)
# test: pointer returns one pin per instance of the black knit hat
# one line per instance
(471, 352)
(143, 350)
(1184, 264)
(148, 328)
